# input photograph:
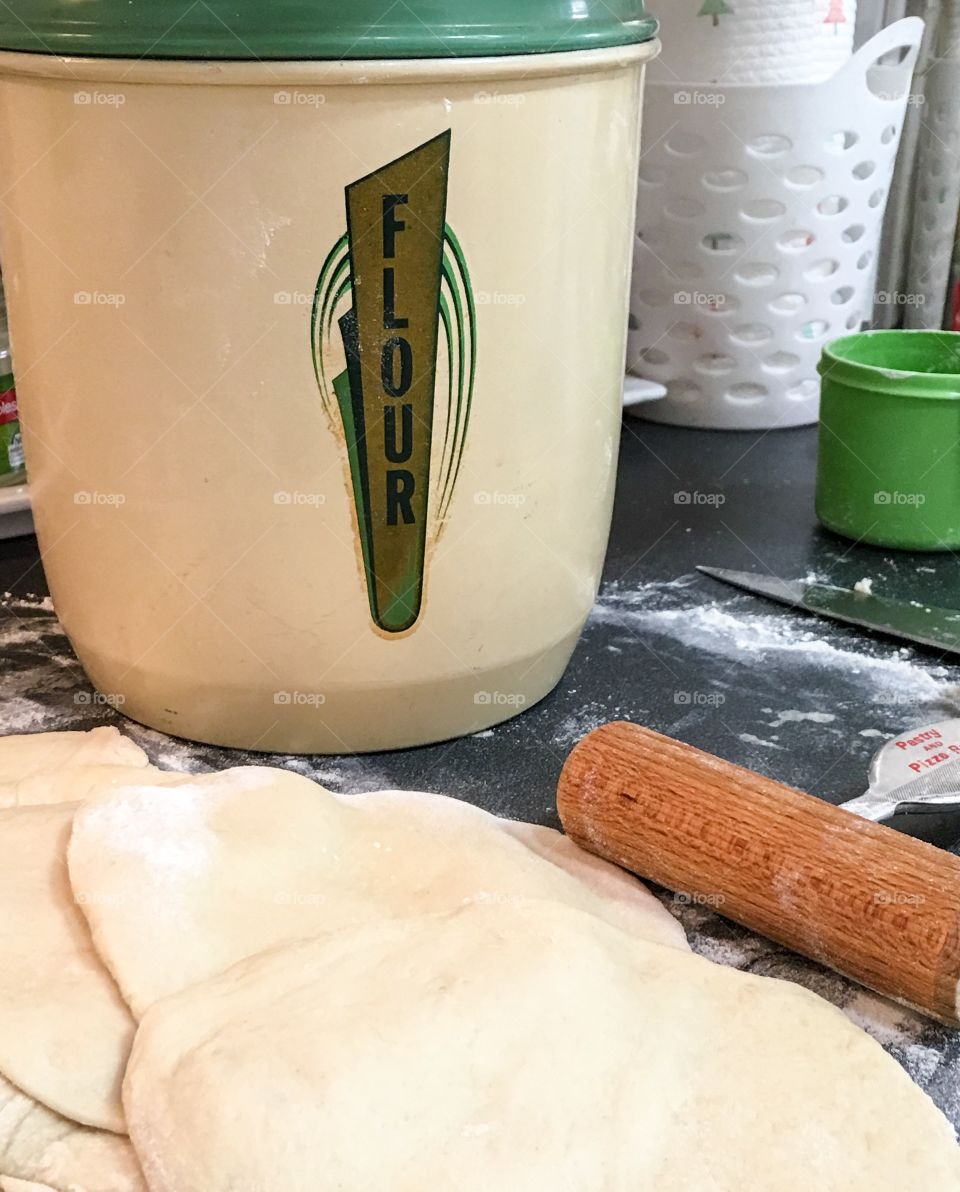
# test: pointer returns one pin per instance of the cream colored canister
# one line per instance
(320, 376)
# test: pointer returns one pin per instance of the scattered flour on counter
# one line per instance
(864, 586)
(616, 596)
(750, 739)
(745, 637)
(574, 728)
(31, 600)
(22, 715)
(896, 1027)
(792, 716)
(871, 732)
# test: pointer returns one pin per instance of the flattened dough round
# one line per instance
(523, 1047)
(42, 1149)
(232, 863)
(65, 1032)
(67, 767)
(30, 753)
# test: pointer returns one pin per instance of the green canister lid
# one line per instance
(248, 30)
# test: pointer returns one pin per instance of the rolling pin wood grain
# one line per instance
(880, 907)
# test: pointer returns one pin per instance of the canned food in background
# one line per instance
(12, 469)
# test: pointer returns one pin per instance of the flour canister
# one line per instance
(319, 318)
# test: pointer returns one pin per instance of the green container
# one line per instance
(889, 465)
(320, 29)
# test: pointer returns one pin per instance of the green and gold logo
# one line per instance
(396, 286)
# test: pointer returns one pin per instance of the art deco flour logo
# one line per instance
(396, 288)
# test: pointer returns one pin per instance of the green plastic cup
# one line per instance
(889, 464)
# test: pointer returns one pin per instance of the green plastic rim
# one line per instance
(291, 30)
(923, 364)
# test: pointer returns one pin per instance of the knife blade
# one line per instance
(922, 624)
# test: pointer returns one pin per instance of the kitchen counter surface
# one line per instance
(793, 697)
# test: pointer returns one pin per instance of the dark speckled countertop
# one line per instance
(795, 698)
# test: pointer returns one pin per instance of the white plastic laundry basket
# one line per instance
(760, 211)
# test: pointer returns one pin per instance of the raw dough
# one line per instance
(67, 767)
(524, 1047)
(179, 884)
(75, 784)
(21, 756)
(65, 1032)
(41, 1148)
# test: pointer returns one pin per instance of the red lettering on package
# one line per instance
(8, 407)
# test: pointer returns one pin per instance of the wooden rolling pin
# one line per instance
(877, 906)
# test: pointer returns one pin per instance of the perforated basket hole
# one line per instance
(651, 175)
(715, 364)
(750, 335)
(864, 170)
(685, 333)
(796, 240)
(770, 144)
(825, 268)
(841, 296)
(685, 144)
(842, 141)
(725, 180)
(887, 84)
(814, 329)
(781, 362)
(685, 391)
(876, 198)
(804, 176)
(747, 393)
(854, 322)
(681, 208)
(722, 242)
(888, 134)
(865, 261)
(833, 205)
(655, 357)
(756, 273)
(854, 233)
(788, 304)
(763, 210)
(804, 390)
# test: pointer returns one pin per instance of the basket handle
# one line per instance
(903, 34)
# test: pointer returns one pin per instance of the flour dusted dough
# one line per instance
(30, 753)
(75, 784)
(64, 1031)
(45, 1150)
(178, 884)
(522, 1047)
(67, 767)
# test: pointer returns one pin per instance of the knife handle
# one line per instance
(877, 906)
